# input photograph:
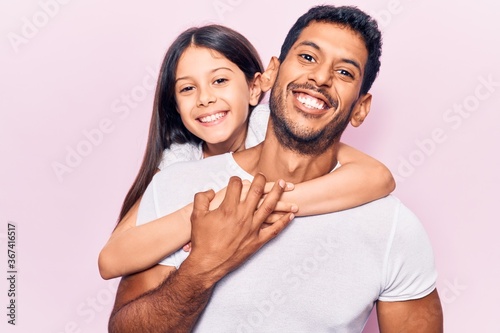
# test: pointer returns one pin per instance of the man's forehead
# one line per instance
(321, 29)
(326, 36)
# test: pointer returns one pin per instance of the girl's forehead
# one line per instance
(202, 53)
(199, 60)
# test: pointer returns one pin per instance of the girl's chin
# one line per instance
(216, 141)
(214, 135)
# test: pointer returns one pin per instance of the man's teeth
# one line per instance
(311, 102)
(212, 117)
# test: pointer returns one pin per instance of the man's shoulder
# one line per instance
(389, 201)
(377, 219)
(257, 125)
(391, 209)
(389, 204)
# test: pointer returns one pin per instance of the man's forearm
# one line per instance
(174, 306)
(172, 301)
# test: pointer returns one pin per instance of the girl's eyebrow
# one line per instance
(316, 47)
(212, 71)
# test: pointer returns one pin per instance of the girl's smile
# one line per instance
(213, 98)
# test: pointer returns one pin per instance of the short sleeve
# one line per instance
(175, 259)
(180, 153)
(147, 208)
(148, 211)
(409, 265)
(257, 125)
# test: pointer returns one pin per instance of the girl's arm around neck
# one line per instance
(359, 180)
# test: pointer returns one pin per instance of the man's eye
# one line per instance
(308, 57)
(345, 73)
(219, 81)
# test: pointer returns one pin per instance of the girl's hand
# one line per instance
(187, 247)
(281, 208)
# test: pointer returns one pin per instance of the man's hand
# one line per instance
(281, 207)
(280, 210)
(162, 299)
(224, 238)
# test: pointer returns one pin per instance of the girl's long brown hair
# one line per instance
(166, 126)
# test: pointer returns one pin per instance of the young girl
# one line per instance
(204, 105)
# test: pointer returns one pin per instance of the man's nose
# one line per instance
(322, 75)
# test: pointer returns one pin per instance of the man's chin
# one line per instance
(308, 144)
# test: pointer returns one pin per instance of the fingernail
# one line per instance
(294, 208)
(292, 216)
(290, 186)
(281, 183)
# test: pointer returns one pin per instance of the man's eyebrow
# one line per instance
(354, 63)
(316, 47)
(212, 71)
(308, 43)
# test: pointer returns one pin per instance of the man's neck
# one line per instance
(277, 162)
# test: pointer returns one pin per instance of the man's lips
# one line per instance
(311, 98)
(311, 102)
(210, 118)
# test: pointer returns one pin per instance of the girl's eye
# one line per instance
(307, 57)
(186, 89)
(345, 73)
(219, 81)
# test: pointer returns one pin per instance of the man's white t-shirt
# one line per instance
(323, 273)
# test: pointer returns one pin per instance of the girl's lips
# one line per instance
(213, 118)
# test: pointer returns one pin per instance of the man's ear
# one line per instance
(269, 76)
(361, 109)
(255, 89)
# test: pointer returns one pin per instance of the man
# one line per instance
(322, 273)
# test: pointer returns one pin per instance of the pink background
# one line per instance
(77, 76)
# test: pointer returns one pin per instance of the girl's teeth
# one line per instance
(212, 117)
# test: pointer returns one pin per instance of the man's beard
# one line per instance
(300, 139)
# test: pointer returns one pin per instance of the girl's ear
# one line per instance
(361, 109)
(269, 76)
(255, 89)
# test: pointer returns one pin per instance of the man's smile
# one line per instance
(310, 102)
(311, 99)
